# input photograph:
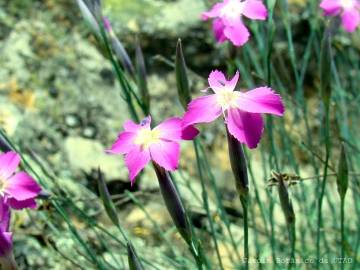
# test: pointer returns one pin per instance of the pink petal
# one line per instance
(204, 109)
(170, 129)
(350, 19)
(218, 82)
(166, 154)
(245, 127)
(218, 29)
(189, 133)
(330, 7)
(22, 187)
(130, 126)
(135, 161)
(230, 85)
(4, 216)
(8, 163)
(238, 34)
(123, 144)
(21, 204)
(213, 12)
(255, 9)
(261, 100)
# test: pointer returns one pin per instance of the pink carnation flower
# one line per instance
(18, 190)
(349, 10)
(140, 144)
(242, 111)
(228, 24)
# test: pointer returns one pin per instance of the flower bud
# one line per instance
(325, 68)
(89, 17)
(105, 197)
(118, 48)
(286, 204)
(4, 145)
(238, 165)
(173, 202)
(342, 178)
(182, 81)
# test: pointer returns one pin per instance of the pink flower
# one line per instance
(17, 189)
(140, 144)
(228, 24)
(349, 10)
(242, 111)
(6, 257)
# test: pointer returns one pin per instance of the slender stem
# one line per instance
(218, 198)
(206, 203)
(292, 237)
(342, 220)
(244, 203)
(322, 188)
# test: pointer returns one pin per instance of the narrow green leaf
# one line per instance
(342, 173)
(141, 77)
(105, 197)
(182, 81)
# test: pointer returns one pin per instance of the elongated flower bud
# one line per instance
(89, 17)
(141, 77)
(325, 68)
(118, 48)
(286, 204)
(134, 262)
(105, 197)
(173, 202)
(342, 178)
(182, 81)
(95, 7)
(238, 165)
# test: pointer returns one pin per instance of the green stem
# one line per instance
(322, 188)
(244, 203)
(342, 219)
(292, 238)
(206, 203)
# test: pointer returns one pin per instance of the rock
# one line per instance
(85, 155)
(156, 16)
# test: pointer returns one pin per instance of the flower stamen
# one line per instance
(3, 185)
(147, 137)
(227, 99)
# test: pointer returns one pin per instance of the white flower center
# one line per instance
(348, 4)
(146, 137)
(227, 99)
(3, 185)
(232, 10)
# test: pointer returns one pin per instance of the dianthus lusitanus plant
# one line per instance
(286, 219)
